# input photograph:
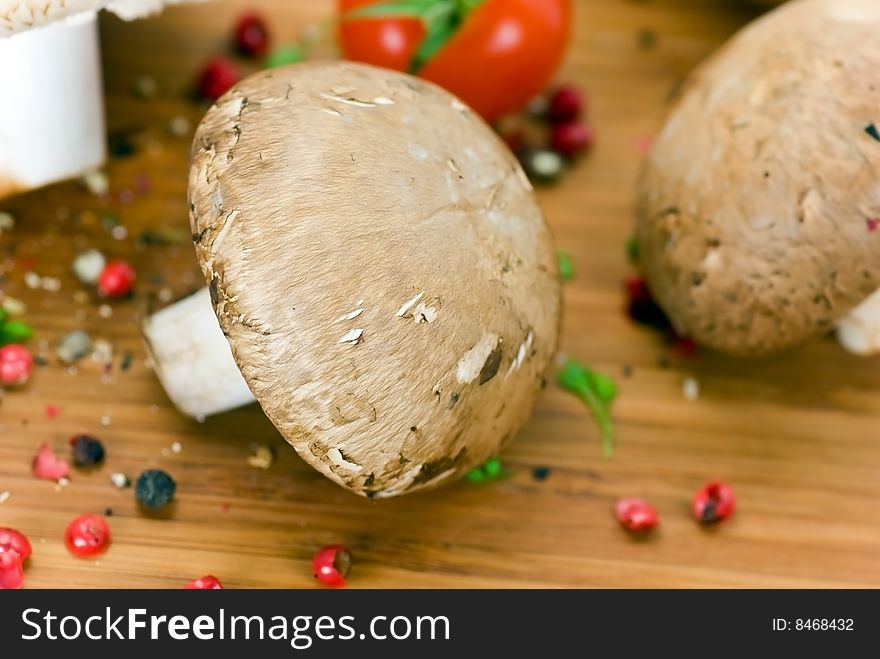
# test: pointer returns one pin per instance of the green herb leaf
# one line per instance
(492, 468)
(14, 331)
(566, 266)
(606, 388)
(3, 315)
(597, 391)
(285, 54)
(632, 250)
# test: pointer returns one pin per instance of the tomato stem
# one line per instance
(441, 18)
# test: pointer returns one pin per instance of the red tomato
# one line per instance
(503, 54)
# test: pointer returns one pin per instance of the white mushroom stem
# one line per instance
(192, 358)
(52, 114)
(859, 332)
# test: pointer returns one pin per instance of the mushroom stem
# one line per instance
(52, 115)
(859, 332)
(193, 359)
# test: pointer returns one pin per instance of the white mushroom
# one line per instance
(393, 313)
(52, 114)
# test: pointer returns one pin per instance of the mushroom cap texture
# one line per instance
(753, 205)
(17, 15)
(380, 267)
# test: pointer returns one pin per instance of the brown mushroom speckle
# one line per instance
(752, 207)
(353, 248)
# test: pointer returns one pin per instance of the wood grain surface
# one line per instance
(796, 435)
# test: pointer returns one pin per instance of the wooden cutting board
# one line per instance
(797, 435)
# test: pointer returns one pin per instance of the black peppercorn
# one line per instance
(87, 451)
(154, 489)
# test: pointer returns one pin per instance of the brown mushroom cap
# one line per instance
(380, 267)
(753, 204)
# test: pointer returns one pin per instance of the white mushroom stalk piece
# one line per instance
(758, 214)
(52, 114)
(385, 284)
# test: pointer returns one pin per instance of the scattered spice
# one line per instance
(208, 582)
(74, 346)
(88, 265)
(285, 54)
(331, 565)
(14, 331)
(488, 471)
(641, 306)
(597, 391)
(96, 182)
(120, 481)
(690, 389)
(251, 36)
(14, 551)
(646, 39)
(871, 129)
(12, 306)
(542, 165)
(564, 104)
(218, 76)
(572, 139)
(714, 502)
(541, 473)
(87, 451)
(7, 222)
(16, 365)
(179, 126)
(154, 489)
(146, 88)
(127, 359)
(52, 411)
(261, 457)
(565, 264)
(87, 535)
(632, 250)
(48, 466)
(635, 515)
(116, 279)
(873, 223)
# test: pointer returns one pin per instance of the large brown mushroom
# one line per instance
(379, 267)
(758, 204)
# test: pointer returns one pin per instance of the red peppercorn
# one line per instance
(571, 139)
(565, 104)
(714, 502)
(331, 565)
(14, 541)
(11, 572)
(16, 365)
(251, 35)
(636, 515)
(218, 76)
(641, 306)
(49, 466)
(208, 582)
(87, 535)
(116, 279)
